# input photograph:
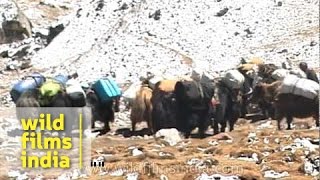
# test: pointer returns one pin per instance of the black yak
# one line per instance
(287, 105)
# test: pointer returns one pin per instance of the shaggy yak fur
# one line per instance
(142, 108)
(193, 106)
(287, 105)
(227, 108)
(164, 106)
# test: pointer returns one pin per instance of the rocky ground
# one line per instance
(170, 38)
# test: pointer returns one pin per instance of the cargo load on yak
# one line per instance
(255, 60)
(49, 89)
(233, 79)
(106, 89)
(129, 94)
(76, 93)
(298, 72)
(280, 74)
(35, 80)
(63, 79)
(300, 86)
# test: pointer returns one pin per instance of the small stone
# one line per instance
(213, 143)
(193, 161)
(75, 174)
(13, 173)
(274, 175)
(222, 12)
(265, 153)
(136, 152)
(23, 177)
(166, 155)
(117, 173)
(39, 177)
(308, 168)
(313, 43)
(222, 136)
(163, 177)
(132, 176)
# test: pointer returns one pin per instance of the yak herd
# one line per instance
(199, 102)
(188, 103)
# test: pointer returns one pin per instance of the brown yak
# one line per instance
(286, 105)
(265, 71)
(142, 107)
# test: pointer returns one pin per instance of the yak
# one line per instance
(142, 107)
(103, 111)
(27, 103)
(227, 107)
(193, 106)
(164, 105)
(286, 105)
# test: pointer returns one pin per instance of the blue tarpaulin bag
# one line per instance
(106, 89)
(31, 82)
(61, 78)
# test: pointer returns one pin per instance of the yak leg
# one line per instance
(203, 125)
(117, 104)
(106, 128)
(244, 106)
(317, 121)
(223, 125)
(108, 117)
(148, 117)
(149, 121)
(236, 111)
(271, 112)
(279, 123)
(289, 121)
(187, 134)
(187, 130)
(231, 124)
(92, 123)
(316, 118)
(221, 116)
(278, 116)
(133, 126)
(220, 119)
(215, 127)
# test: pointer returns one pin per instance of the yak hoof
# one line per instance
(187, 135)
(102, 132)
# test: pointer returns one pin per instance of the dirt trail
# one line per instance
(174, 166)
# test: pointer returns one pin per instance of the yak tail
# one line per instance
(138, 109)
(148, 110)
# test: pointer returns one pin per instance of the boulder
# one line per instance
(14, 25)
(54, 30)
(170, 136)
